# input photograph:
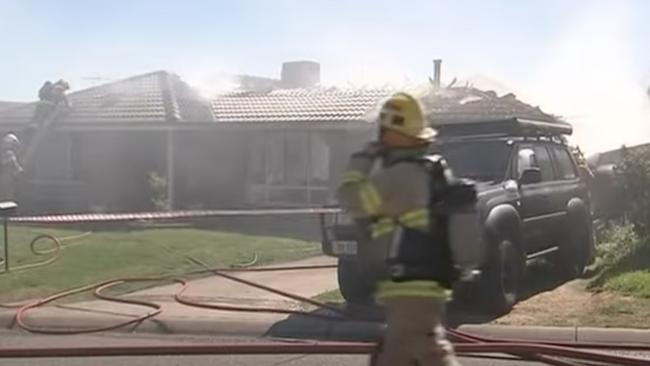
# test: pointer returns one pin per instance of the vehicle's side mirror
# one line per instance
(531, 176)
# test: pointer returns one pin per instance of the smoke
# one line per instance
(589, 77)
(211, 84)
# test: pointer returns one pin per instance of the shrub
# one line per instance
(622, 252)
(617, 242)
(634, 283)
(159, 194)
(635, 171)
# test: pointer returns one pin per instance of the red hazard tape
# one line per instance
(163, 216)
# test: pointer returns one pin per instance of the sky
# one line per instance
(588, 61)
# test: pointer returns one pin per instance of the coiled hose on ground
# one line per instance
(553, 353)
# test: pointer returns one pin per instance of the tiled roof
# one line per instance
(616, 156)
(7, 105)
(448, 105)
(19, 114)
(296, 105)
(153, 97)
(136, 99)
(466, 104)
(160, 96)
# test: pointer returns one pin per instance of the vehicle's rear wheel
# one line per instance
(354, 287)
(503, 277)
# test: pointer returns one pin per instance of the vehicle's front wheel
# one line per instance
(503, 277)
(354, 287)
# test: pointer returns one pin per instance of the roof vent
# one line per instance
(300, 74)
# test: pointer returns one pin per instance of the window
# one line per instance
(478, 160)
(566, 169)
(535, 156)
(289, 167)
(57, 158)
(544, 162)
(525, 160)
(275, 162)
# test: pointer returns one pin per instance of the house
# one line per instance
(607, 160)
(609, 188)
(276, 143)
(259, 148)
(7, 105)
(100, 152)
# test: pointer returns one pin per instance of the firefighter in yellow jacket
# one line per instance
(389, 188)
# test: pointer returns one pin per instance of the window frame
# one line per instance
(554, 148)
(262, 192)
(532, 145)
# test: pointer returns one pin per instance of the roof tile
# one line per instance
(296, 105)
(163, 97)
(154, 97)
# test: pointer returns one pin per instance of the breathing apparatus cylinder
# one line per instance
(464, 232)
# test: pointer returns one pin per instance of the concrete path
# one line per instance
(21, 340)
(308, 283)
(180, 318)
(561, 334)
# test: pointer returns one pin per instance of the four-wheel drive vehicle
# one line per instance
(531, 200)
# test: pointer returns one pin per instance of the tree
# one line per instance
(635, 171)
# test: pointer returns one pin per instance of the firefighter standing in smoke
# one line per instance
(9, 166)
(389, 188)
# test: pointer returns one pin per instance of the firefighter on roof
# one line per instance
(390, 188)
(51, 96)
(10, 168)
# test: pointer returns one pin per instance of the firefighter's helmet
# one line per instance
(402, 113)
(63, 84)
(10, 140)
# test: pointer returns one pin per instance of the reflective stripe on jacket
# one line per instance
(392, 192)
(356, 193)
(414, 219)
(430, 289)
(363, 193)
(392, 187)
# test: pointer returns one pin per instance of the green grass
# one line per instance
(628, 274)
(622, 262)
(146, 252)
(618, 312)
(635, 283)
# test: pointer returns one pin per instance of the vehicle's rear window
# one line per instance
(478, 160)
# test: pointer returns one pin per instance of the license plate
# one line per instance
(344, 247)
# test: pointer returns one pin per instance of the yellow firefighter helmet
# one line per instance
(402, 113)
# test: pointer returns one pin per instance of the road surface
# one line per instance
(19, 339)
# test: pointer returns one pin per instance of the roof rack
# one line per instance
(505, 127)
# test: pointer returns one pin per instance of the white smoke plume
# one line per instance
(588, 76)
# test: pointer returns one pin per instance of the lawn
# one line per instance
(628, 273)
(105, 255)
(635, 283)
(618, 294)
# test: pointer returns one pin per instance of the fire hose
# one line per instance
(553, 353)
(465, 343)
(54, 252)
